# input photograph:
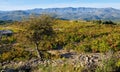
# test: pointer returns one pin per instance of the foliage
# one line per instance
(15, 54)
(108, 64)
(59, 68)
(80, 36)
(103, 22)
(50, 34)
(39, 29)
(2, 22)
(118, 63)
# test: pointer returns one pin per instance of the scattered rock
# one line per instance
(85, 60)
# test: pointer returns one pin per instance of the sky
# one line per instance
(6, 5)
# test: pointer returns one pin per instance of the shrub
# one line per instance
(108, 22)
(100, 46)
(15, 54)
(118, 63)
(59, 68)
(108, 64)
(83, 48)
(69, 47)
(104, 46)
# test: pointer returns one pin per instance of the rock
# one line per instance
(85, 60)
(6, 32)
(91, 61)
(20, 63)
(10, 70)
(95, 60)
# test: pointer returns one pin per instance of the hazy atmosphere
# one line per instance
(30, 4)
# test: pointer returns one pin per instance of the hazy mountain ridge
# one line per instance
(65, 13)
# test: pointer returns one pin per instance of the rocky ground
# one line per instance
(88, 60)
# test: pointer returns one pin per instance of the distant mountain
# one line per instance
(69, 13)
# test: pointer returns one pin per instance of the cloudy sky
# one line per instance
(30, 4)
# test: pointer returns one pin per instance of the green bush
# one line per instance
(83, 48)
(69, 47)
(108, 65)
(100, 46)
(15, 54)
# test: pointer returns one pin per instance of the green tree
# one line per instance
(39, 30)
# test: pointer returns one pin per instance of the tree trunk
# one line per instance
(37, 50)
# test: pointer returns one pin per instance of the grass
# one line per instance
(80, 37)
(59, 68)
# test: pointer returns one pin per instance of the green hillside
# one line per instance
(69, 36)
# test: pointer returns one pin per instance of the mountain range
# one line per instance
(68, 13)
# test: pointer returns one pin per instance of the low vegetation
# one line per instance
(35, 37)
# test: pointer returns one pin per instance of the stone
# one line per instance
(10, 70)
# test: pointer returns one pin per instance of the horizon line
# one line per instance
(57, 7)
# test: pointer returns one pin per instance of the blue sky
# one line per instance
(30, 4)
